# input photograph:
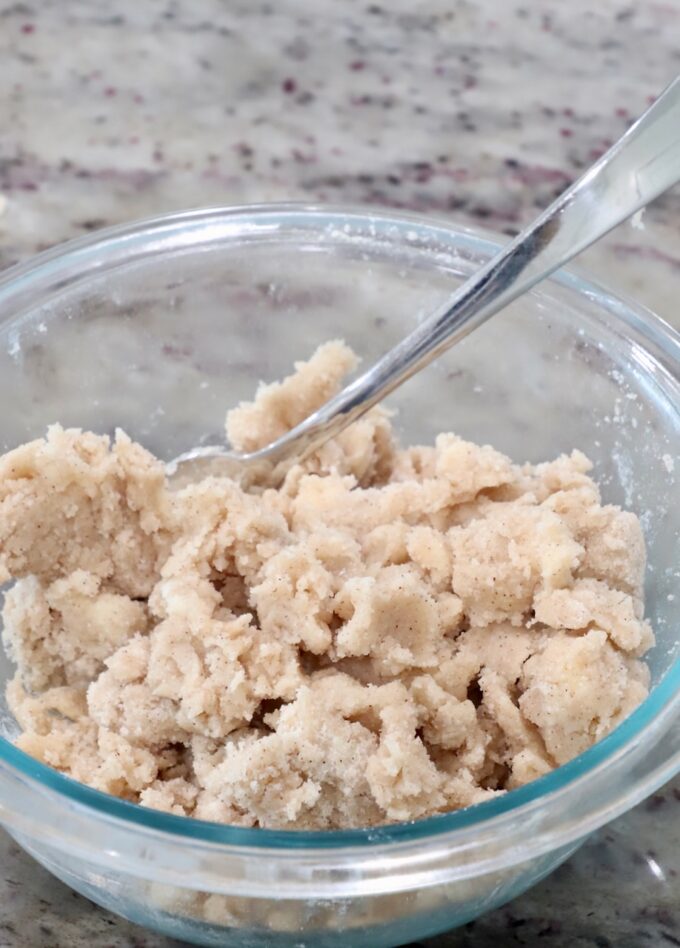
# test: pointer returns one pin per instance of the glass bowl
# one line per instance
(158, 328)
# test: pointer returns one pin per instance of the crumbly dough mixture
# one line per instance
(389, 634)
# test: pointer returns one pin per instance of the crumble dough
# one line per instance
(389, 634)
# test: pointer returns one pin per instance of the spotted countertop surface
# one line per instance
(473, 112)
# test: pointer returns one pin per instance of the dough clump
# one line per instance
(387, 634)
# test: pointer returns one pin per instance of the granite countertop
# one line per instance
(474, 112)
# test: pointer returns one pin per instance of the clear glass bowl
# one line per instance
(160, 326)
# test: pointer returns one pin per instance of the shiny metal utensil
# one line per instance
(642, 164)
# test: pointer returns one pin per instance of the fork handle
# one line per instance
(639, 167)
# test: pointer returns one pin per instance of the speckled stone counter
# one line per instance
(479, 112)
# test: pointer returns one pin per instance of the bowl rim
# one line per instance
(664, 699)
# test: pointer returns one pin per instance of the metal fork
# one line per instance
(642, 164)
